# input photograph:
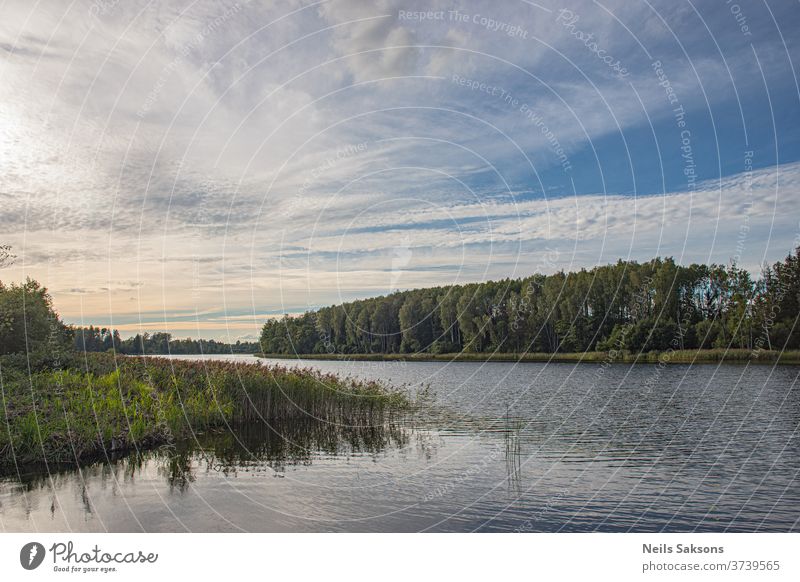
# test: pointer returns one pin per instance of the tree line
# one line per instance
(29, 324)
(654, 305)
(103, 339)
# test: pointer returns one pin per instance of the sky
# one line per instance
(198, 167)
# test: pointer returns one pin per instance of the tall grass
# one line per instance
(112, 405)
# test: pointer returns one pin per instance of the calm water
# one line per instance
(529, 447)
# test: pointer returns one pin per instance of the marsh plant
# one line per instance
(101, 405)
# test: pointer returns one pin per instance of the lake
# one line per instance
(499, 447)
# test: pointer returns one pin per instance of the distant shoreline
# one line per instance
(714, 356)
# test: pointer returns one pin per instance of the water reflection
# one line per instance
(261, 446)
(546, 449)
(252, 447)
(512, 436)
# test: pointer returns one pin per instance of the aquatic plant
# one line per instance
(105, 405)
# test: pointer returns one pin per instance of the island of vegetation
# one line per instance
(628, 311)
(84, 407)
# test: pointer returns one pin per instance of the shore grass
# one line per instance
(711, 356)
(112, 405)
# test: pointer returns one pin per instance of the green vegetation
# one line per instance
(61, 403)
(109, 404)
(640, 308)
(28, 322)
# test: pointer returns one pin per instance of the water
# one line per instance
(504, 447)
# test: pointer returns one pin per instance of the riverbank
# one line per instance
(666, 357)
(107, 405)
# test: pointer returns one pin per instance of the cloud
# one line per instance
(706, 222)
(274, 156)
(373, 42)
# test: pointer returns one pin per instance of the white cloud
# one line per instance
(195, 149)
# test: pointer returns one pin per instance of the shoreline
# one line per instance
(736, 356)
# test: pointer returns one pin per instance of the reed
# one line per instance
(105, 405)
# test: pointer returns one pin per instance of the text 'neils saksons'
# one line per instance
(681, 549)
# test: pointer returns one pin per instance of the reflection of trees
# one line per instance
(276, 445)
(512, 433)
(178, 468)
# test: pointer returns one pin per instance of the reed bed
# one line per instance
(103, 405)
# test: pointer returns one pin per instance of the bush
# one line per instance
(617, 339)
(651, 334)
(27, 320)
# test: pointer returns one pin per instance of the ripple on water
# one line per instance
(528, 447)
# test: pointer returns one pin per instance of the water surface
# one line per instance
(502, 447)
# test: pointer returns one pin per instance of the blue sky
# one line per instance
(200, 166)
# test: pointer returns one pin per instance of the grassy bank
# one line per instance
(673, 357)
(103, 404)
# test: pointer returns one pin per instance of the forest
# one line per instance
(640, 307)
(97, 339)
(650, 306)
